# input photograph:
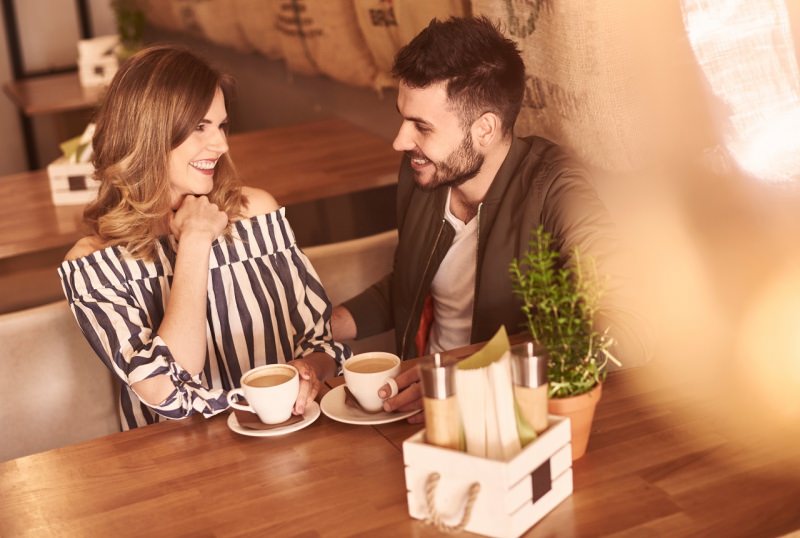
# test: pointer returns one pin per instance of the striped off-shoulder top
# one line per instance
(265, 305)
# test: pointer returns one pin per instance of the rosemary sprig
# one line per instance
(559, 304)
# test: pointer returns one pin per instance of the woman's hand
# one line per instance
(196, 216)
(314, 369)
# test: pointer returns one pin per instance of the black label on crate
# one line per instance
(77, 183)
(540, 481)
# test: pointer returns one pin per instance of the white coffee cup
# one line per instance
(270, 390)
(365, 373)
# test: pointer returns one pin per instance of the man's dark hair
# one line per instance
(483, 69)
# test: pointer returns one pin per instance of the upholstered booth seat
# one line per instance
(53, 388)
(348, 267)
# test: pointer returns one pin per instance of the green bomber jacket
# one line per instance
(538, 183)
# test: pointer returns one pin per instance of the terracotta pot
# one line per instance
(580, 410)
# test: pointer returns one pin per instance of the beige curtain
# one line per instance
(746, 53)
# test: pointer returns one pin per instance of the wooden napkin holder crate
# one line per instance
(97, 72)
(513, 494)
(97, 60)
(71, 183)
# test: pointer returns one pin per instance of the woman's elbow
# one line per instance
(153, 391)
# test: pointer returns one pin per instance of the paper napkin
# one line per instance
(484, 390)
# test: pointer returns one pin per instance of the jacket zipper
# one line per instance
(477, 267)
(419, 290)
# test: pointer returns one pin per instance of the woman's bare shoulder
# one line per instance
(259, 202)
(84, 247)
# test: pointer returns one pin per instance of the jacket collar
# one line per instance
(440, 200)
(516, 153)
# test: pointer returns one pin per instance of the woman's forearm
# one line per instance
(184, 325)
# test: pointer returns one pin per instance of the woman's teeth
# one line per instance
(203, 165)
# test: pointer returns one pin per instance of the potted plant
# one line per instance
(130, 26)
(559, 302)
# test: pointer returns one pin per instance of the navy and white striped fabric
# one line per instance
(265, 305)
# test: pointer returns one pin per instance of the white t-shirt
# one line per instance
(453, 287)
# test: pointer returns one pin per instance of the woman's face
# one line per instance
(191, 165)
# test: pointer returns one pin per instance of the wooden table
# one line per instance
(50, 94)
(296, 164)
(645, 474)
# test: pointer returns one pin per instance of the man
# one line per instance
(469, 195)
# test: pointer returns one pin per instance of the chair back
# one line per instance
(55, 391)
(349, 267)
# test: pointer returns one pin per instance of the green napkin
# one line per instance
(492, 351)
(70, 147)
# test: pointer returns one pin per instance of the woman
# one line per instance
(188, 279)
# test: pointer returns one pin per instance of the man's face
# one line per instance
(442, 152)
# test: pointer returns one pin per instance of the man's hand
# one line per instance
(409, 398)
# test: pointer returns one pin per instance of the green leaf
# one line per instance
(559, 302)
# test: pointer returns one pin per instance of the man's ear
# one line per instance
(486, 129)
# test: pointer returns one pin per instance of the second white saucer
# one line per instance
(334, 407)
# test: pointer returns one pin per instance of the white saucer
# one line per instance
(334, 407)
(311, 414)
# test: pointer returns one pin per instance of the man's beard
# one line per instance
(461, 165)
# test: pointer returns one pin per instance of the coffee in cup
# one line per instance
(270, 390)
(372, 365)
(268, 380)
(365, 373)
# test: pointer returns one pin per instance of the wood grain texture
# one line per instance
(295, 164)
(650, 470)
(51, 94)
(196, 477)
(659, 465)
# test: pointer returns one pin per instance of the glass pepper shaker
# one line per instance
(442, 418)
(529, 371)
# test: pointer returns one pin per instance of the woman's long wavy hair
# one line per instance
(153, 104)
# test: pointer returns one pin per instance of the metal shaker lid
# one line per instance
(529, 365)
(438, 378)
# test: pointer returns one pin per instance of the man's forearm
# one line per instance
(343, 325)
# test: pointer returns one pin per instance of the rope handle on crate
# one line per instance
(433, 515)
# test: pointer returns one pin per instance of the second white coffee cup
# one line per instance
(365, 373)
(270, 390)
